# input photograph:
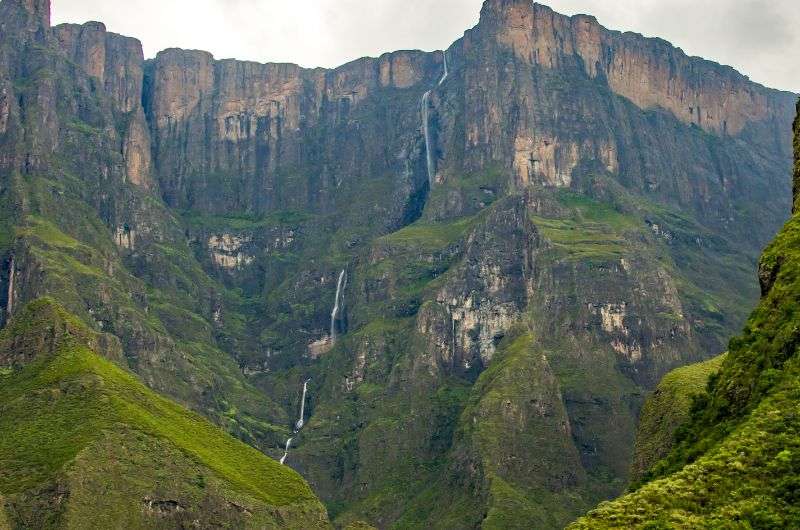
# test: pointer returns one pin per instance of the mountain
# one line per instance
(477, 262)
(736, 459)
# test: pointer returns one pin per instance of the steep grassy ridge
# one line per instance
(77, 428)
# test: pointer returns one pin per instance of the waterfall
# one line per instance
(286, 451)
(337, 302)
(300, 421)
(453, 321)
(426, 126)
(10, 299)
(426, 131)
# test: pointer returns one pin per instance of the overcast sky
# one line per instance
(761, 38)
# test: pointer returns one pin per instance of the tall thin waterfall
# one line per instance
(300, 422)
(286, 451)
(10, 300)
(337, 303)
(426, 97)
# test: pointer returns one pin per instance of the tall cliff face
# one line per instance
(595, 204)
(115, 64)
(241, 136)
(648, 72)
(547, 107)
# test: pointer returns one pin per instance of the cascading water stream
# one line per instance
(300, 422)
(286, 451)
(337, 305)
(426, 126)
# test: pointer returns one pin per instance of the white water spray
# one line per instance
(286, 451)
(300, 422)
(337, 305)
(426, 126)
(446, 73)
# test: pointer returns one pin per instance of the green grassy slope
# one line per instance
(749, 480)
(76, 427)
(666, 409)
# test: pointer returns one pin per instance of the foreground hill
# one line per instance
(83, 444)
(736, 462)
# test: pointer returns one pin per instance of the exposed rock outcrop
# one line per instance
(649, 72)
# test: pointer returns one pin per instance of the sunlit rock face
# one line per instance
(227, 251)
(649, 72)
(115, 64)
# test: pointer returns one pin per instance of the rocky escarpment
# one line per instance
(583, 233)
(649, 72)
(522, 114)
(287, 137)
(115, 64)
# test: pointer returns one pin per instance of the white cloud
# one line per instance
(758, 37)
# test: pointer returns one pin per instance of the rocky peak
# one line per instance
(86, 45)
(181, 79)
(114, 61)
(114, 64)
(650, 72)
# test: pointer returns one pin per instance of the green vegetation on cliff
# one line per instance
(736, 461)
(74, 422)
(666, 410)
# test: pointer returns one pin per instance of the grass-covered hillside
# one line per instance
(736, 462)
(83, 444)
(666, 410)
